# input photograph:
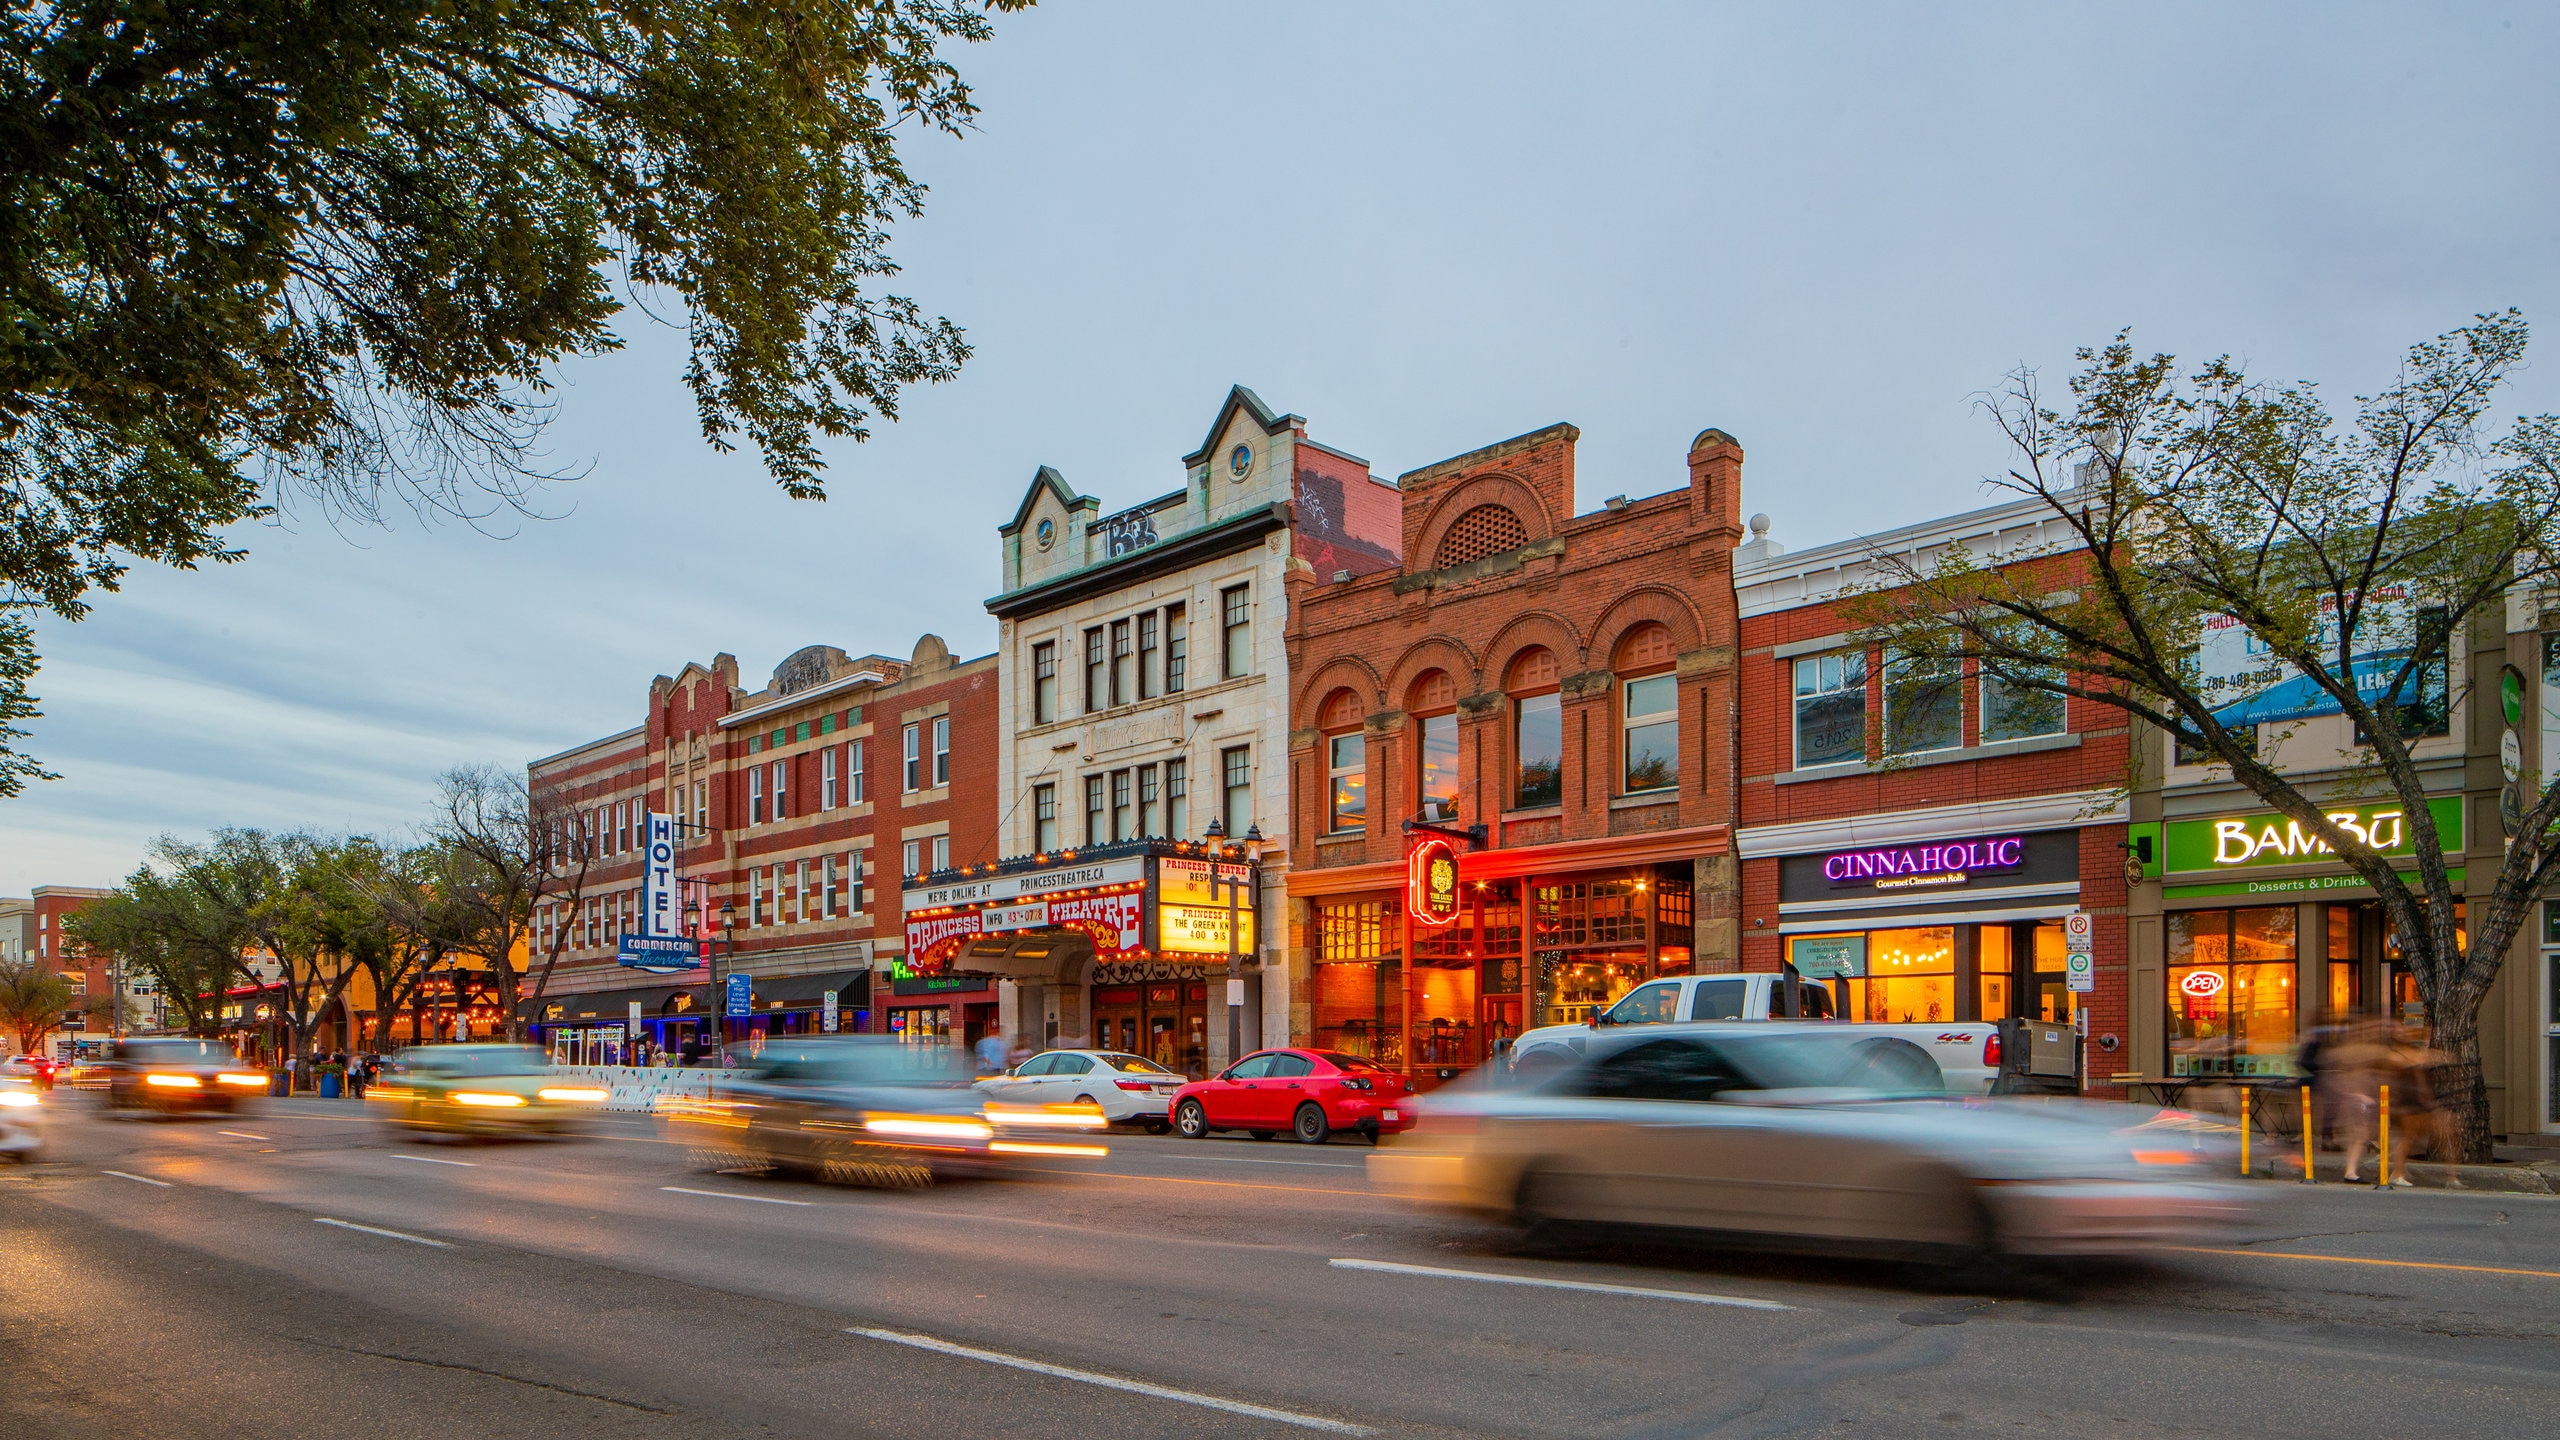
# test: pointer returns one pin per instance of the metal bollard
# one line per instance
(2244, 1132)
(2386, 1139)
(2307, 1177)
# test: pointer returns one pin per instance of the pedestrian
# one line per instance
(992, 1051)
(2408, 1065)
(2355, 1062)
(355, 1077)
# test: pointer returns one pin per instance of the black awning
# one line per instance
(805, 992)
(599, 1007)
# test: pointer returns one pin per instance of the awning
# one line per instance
(599, 1007)
(806, 992)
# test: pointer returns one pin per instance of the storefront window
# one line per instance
(2056, 1003)
(1910, 979)
(1997, 964)
(2232, 1007)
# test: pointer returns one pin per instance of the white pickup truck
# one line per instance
(1964, 1054)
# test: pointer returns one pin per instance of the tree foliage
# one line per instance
(32, 1003)
(270, 251)
(2367, 556)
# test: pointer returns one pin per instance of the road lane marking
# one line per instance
(145, 1179)
(1247, 1160)
(1179, 1180)
(243, 1135)
(1112, 1382)
(377, 1230)
(2360, 1260)
(725, 1195)
(431, 1160)
(1693, 1297)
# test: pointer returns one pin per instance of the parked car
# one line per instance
(174, 1073)
(479, 1090)
(1766, 1135)
(1127, 1089)
(1964, 1054)
(22, 1110)
(870, 1110)
(1309, 1093)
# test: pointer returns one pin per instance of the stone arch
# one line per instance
(1505, 491)
(1532, 669)
(1432, 652)
(1343, 672)
(1535, 627)
(1650, 604)
(1341, 709)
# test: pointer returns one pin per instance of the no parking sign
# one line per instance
(2079, 936)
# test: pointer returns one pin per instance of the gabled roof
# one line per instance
(1239, 398)
(1057, 485)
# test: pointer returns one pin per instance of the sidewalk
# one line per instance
(2502, 1177)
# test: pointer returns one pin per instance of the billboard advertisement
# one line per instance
(2248, 685)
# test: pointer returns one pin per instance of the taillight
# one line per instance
(1355, 1082)
(1133, 1084)
(1991, 1050)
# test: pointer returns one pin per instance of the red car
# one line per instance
(1309, 1093)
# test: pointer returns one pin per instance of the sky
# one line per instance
(1824, 229)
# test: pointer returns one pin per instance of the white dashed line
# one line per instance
(725, 1195)
(242, 1135)
(145, 1179)
(1113, 1382)
(1691, 1297)
(431, 1160)
(387, 1234)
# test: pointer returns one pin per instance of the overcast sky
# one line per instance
(1425, 228)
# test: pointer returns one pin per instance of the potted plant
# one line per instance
(332, 1078)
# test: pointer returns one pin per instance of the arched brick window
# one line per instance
(1537, 730)
(1346, 764)
(1648, 712)
(1432, 703)
(1484, 530)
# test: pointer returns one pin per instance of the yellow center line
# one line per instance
(1221, 1184)
(2360, 1260)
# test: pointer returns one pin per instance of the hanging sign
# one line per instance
(660, 916)
(1431, 882)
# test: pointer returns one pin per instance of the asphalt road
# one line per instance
(226, 1283)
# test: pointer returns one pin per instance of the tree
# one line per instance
(506, 854)
(32, 1003)
(262, 253)
(189, 947)
(2365, 559)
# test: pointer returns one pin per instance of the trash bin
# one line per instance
(279, 1084)
(332, 1084)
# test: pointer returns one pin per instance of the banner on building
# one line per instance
(2247, 684)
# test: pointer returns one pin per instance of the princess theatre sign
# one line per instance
(1137, 903)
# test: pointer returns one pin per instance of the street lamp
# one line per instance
(720, 1001)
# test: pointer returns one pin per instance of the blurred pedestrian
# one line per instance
(2354, 1061)
(2408, 1065)
(991, 1051)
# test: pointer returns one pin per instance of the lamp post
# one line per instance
(1236, 900)
(720, 1000)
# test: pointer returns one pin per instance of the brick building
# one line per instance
(1564, 681)
(796, 804)
(1915, 840)
(31, 929)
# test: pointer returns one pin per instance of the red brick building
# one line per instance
(1915, 840)
(31, 930)
(1565, 681)
(798, 806)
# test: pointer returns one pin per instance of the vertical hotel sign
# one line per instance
(660, 943)
(1431, 882)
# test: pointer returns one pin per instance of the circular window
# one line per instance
(1046, 532)
(1239, 462)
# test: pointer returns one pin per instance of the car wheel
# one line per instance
(1311, 1127)
(1191, 1120)
(1538, 1207)
(1158, 1127)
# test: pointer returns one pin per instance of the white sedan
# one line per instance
(1130, 1089)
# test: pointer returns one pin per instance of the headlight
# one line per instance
(17, 1099)
(586, 1094)
(1023, 1147)
(2165, 1157)
(245, 1081)
(174, 1082)
(485, 1099)
(927, 1127)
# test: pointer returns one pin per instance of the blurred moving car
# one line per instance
(480, 1090)
(174, 1073)
(1128, 1089)
(40, 1070)
(1309, 1093)
(22, 1109)
(871, 1110)
(1763, 1137)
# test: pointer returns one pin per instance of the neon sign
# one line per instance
(1431, 882)
(2202, 984)
(1916, 864)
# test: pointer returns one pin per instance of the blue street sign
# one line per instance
(740, 988)
(663, 953)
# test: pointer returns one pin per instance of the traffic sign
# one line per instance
(828, 1015)
(2079, 971)
(741, 991)
(2079, 931)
